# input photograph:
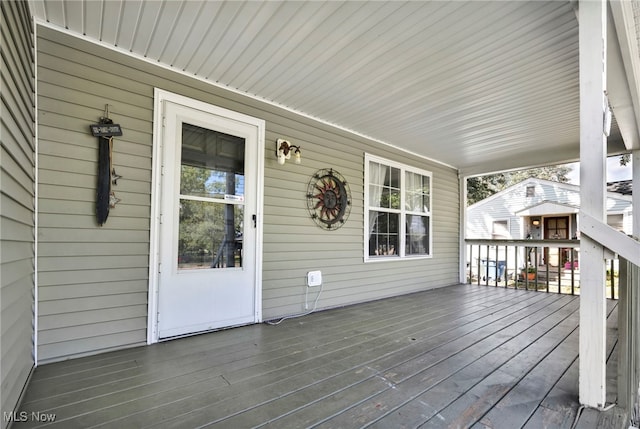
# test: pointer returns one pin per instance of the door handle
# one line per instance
(255, 220)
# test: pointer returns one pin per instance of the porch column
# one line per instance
(635, 198)
(634, 288)
(633, 297)
(593, 154)
(462, 265)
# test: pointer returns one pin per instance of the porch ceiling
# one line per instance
(481, 86)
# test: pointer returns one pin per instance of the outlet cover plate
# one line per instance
(314, 278)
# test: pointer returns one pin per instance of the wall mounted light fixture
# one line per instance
(284, 149)
(536, 222)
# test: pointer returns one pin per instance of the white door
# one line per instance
(207, 231)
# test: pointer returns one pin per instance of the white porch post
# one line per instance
(593, 142)
(635, 205)
(462, 189)
(634, 289)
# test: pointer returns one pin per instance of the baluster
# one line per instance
(470, 263)
(573, 273)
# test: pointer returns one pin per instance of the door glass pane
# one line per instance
(212, 164)
(557, 228)
(210, 235)
(209, 230)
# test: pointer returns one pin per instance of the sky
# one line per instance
(615, 171)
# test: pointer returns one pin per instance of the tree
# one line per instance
(207, 228)
(481, 187)
(625, 159)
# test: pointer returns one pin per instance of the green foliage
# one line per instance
(479, 188)
(204, 225)
(625, 159)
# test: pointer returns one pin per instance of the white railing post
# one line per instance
(592, 47)
(628, 341)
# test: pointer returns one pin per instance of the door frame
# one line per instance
(159, 97)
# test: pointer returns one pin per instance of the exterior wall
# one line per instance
(501, 206)
(627, 222)
(17, 191)
(94, 280)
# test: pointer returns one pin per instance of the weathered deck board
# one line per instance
(558, 409)
(502, 348)
(415, 377)
(452, 357)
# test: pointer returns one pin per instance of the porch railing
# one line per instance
(628, 249)
(543, 265)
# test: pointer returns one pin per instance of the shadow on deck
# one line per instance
(451, 357)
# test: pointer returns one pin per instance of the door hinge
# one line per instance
(159, 267)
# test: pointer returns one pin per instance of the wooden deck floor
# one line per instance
(454, 357)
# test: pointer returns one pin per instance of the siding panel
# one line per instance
(17, 208)
(105, 268)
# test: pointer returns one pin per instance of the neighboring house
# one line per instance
(539, 209)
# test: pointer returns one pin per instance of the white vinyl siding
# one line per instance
(94, 280)
(17, 204)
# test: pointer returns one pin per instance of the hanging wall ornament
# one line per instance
(105, 130)
(328, 199)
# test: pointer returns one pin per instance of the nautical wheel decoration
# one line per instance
(328, 199)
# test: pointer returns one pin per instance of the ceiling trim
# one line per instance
(629, 66)
(43, 23)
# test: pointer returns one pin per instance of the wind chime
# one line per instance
(105, 130)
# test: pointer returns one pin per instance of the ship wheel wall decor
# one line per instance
(328, 199)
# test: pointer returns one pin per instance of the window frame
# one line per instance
(530, 191)
(403, 212)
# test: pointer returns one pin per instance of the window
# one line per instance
(500, 230)
(397, 210)
(531, 191)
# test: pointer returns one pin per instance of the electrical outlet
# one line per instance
(314, 278)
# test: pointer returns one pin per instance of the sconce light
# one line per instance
(536, 222)
(284, 149)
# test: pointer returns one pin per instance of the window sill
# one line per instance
(395, 258)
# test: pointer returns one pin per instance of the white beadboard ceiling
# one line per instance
(479, 85)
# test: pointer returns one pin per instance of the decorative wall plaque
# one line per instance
(328, 199)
